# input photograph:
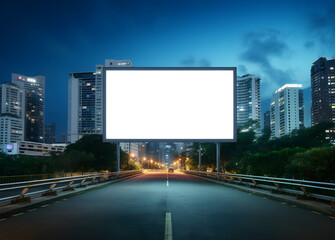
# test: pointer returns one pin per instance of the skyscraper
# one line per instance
(34, 88)
(81, 105)
(50, 133)
(323, 90)
(249, 102)
(99, 88)
(267, 120)
(85, 106)
(287, 110)
(11, 113)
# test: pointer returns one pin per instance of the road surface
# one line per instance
(167, 206)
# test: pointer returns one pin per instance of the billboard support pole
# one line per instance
(199, 156)
(118, 156)
(217, 157)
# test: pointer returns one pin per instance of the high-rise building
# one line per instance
(152, 151)
(249, 102)
(133, 148)
(287, 110)
(11, 113)
(167, 151)
(34, 88)
(141, 150)
(99, 88)
(81, 105)
(266, 120)
(85, 106)
(50, 133)
(323, 90)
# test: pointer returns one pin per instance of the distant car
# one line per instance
(170, 169)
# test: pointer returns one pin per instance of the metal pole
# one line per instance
(118, 156)
(128, 157)
(199, 156)
(217, 157)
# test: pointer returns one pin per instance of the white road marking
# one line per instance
(167, 182)
(18, 214)
(168, 226)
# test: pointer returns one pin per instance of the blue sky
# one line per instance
(276, 40)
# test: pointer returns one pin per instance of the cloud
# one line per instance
(204, 63)
(192, 62)
(309, 44)
(241, 70)
(260, 49)
(322, 27)
(188, 62)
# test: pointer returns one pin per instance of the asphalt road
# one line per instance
(151, 206)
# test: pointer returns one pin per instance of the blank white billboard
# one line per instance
(170, 104)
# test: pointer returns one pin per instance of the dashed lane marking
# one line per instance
(30, 210)
(45, 205)
(283, 203)
(332, 217)
(2, 219)
(168, 226)
(316, 212)
(18, 214)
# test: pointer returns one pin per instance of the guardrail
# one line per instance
(302, 189)
(23, 191)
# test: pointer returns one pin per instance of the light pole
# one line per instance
(199, 156)
(217, 157)
(131, 155)
(143, 161)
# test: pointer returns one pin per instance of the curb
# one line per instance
(270, 196)
(53, 199)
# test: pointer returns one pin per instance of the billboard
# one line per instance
(169, 104)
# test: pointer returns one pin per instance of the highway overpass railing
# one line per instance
(23, 191)
(302, 189)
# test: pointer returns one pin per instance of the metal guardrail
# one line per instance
(21, 178)
(302, 189)
(23, 191)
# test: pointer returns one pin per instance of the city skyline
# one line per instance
(198, 33)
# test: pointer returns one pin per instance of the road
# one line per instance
(180, 206)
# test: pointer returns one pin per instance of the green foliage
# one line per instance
(23, 165)
(316, 164)
(272, 163)
(279, 157)
(89, 153)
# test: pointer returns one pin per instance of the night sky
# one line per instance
(276, 40)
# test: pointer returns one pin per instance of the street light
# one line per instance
(143, 161)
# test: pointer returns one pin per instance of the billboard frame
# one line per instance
(234, 69)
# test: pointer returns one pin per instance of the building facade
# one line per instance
(12, 113)
(34, 88)
(50, 133)
(32, 148)
(85, 106)
(323, 90)
(287, 110)
(266, 120)
(249, 102)
(81, 105)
